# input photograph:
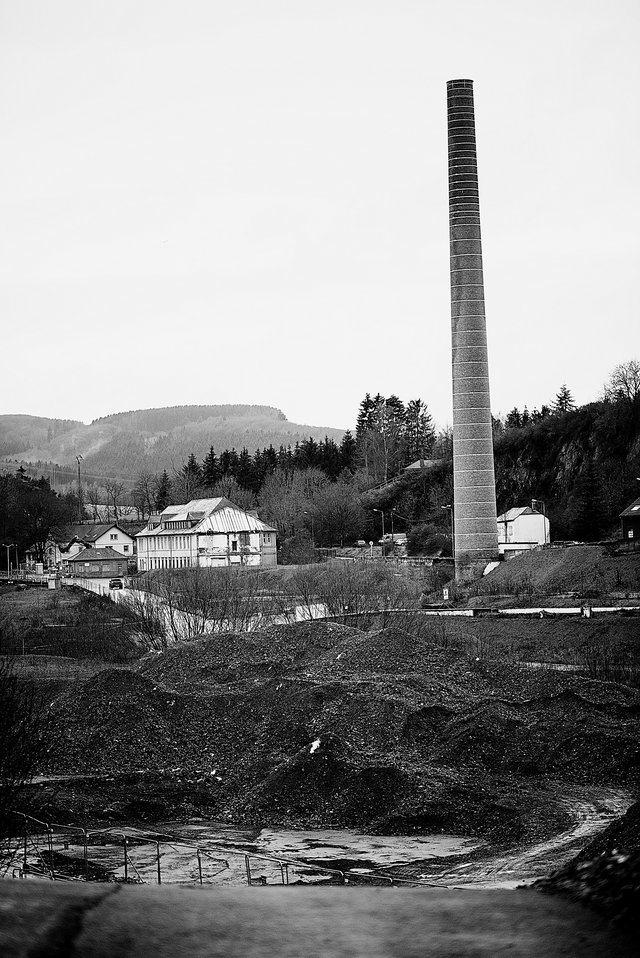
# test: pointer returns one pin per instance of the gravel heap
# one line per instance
(321, 724)
(609, 883)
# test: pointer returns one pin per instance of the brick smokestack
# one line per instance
(475, 526)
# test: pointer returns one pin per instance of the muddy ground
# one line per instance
(322, 725)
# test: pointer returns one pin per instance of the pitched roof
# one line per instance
(632, 510)
(423, 464)
(224, 518)
(89, 555)
(195, 506)
(232, 519)
(516, 512)
(85, 531)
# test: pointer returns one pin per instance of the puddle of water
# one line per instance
(215, 854)
(380, 850)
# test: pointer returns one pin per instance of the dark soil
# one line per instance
(318, 724)
(606, 873)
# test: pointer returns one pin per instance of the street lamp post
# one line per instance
(453, 540)
(79, 459)
(8, 547)
(381, 511)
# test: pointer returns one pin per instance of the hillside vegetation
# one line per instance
(149, 440)
(582, 464)
(19, 433)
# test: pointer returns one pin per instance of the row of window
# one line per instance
(162, 543)
(175, 562)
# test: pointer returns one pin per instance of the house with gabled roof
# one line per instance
(520, 529)
(630, 521)
(205, 533)
(98, 563)
(67, 541)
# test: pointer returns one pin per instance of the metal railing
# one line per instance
(132, 856)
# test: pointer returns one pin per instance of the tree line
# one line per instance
(29, 509)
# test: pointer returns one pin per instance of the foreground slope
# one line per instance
(322, 724)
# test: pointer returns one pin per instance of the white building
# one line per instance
(521, 529)
(205, 532)
(65, 543)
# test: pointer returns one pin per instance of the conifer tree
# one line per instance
(162, 496)
(210, 468)
(564, 402)
(419, 431)
(348, 452)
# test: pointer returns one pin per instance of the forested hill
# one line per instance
(171, 417)
(583, 464)
(19, 432)
(147, 440)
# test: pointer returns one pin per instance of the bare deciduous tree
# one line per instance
(93, 499)
(144, 493)
(23, 738)
(113, 489)
(624, 382)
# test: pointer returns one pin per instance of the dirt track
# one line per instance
(592, 809)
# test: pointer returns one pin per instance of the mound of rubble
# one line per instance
(321, 724)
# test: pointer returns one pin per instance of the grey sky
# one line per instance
(209, 202)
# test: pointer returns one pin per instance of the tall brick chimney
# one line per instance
(474, 505)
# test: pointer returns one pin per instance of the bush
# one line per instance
(297, 550)
(426, 539)
(24, 725)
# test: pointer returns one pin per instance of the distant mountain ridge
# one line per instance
(20, 432)
(125, 444)
(165, 418)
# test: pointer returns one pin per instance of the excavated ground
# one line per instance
(318, 724)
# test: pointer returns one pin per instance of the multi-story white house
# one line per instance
(521, 529)
(205, 532)
(65, 543)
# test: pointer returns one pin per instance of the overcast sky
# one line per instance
(245, 201)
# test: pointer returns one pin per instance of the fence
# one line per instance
(128, 855)
(132, 856)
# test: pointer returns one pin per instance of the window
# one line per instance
(267, 537)
(234, 546)
(113, 536)
(126, 548)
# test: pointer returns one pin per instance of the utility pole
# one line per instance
(80, 507)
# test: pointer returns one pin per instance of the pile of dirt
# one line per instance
(319, 724)
(584, 569)
(621, 837)
(606, 873)
(242, 656)
(609, 883)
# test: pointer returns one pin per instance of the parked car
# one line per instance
(116, 584)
